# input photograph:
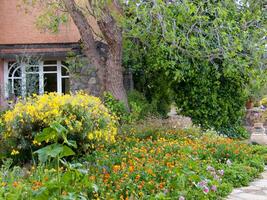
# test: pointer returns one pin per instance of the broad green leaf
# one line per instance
(52, 151)
(59, 128)
(46, 135)
(66, 151)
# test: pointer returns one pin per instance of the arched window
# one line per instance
(22, 79)
(14, 84)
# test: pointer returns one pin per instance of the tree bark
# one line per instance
(115, 75)
(110, 76)
(88, 40)
(112, 34)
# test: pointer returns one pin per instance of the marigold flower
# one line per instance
(116, 168)
(15, 184)
(131, 168)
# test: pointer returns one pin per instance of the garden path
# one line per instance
(257, 190)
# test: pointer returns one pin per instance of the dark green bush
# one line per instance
(194, 65)
(140, 107)
(213, 99)
(116, 107)
(237, 131)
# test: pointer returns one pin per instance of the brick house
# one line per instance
(19, 37)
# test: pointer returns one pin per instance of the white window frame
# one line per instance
(41, 73)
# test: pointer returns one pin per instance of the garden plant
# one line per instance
(76, 153)
(205, 58)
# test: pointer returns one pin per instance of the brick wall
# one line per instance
(17, 27)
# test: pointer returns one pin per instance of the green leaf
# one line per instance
(66, 151)
(71, 143)
(52, 150)
(58, 128)
(46, 135)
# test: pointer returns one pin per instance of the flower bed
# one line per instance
(147, 164)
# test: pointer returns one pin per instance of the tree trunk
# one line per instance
(111, 74)
(112, 34)
(88, 40)
(115, 75)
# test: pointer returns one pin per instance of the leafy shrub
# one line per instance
(235, 131)
(116, 107)
(210, 87)
(239, 175)
(140, 107)
(213, 102)
(82, 118)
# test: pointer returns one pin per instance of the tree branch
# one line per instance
(86, 32)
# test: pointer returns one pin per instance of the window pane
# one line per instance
(50, 82)
(64, 71)
(50, 68)
(50, 62)
(32, 84)
(12, 66)
(65, 85)
(17, 88)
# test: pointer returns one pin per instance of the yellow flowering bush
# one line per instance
(86, 120)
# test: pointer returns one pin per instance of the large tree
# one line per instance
(208, 53)
(83, 13)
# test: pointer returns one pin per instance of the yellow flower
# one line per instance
(36, 143)
(14, 152)
(3, 184)
(90, 136)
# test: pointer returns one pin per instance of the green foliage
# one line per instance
(140, 107)
(44, 183)
(76, 63)
(208, 54)
(211, 102)
(239, 175)
(234, 131)
(52, 15)
(116, 107)
(151, 82)
(54, 134)
(140, 166)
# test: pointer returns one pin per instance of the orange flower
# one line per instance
(92, 178)
(37, 183)
(161, 185)
(116, 168)
(131, 168)
(137, 177)
(15, 184)
(150, 171)
(140, 186)
(169, 164)
(106, 177)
